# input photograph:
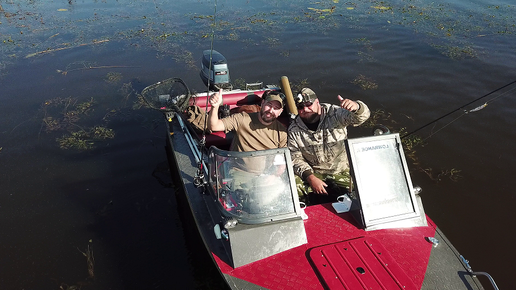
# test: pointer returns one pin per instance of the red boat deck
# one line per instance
(405, 251)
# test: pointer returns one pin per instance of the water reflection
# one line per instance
(413, 61)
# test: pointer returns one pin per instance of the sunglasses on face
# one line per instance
(301, 106)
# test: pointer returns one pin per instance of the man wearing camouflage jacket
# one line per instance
(316, 139)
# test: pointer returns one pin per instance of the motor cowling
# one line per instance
(215, 70)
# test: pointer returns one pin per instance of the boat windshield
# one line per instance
(254, 187)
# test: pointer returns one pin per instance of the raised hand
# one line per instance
(216, 99)
(348, 104)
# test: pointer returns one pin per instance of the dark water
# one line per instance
(410, 61)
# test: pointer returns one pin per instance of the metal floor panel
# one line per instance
(359, 264)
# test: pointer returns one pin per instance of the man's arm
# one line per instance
(357, 112)
(214, 123)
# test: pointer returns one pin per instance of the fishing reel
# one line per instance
(199, 181)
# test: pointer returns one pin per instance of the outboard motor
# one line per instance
(219, 75)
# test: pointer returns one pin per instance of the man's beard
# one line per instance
(267, 117)
(311, 119)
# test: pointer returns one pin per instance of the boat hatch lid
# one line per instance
(361, 263)
(385, 194)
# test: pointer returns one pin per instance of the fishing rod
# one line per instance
(199, 176)
(461, 108)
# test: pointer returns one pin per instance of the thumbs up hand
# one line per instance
(348, 104)
(216, 99)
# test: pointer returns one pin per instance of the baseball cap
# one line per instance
(274, 96)
(306, 95)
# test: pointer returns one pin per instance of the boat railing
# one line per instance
(474, 274)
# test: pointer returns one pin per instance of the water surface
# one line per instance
(82, 63)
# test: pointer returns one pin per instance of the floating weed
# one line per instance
(56, 115)
(85, 139)
(272, 42)
(239, 83)
(438, 175)
(64, 114)
(296, 86)
(51, 124)
(381, 9)
(184, 56)
(65, 46)
(102, 133)
(365, 57)
(85, 107)
(71, 117)
(378, 116)
(76, 140)
(365, 83)
(127, 91)
(410, 143)
(324, 11)
(258, 18)
(55, 102)
(113, 77)
(140, 103)
(456, 52)
(366, 43)
(365, 50)
(90, 262)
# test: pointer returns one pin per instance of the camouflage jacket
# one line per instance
(323, 151)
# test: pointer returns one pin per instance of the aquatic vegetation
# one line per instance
(366, 43)
(64, 114)
(76, 140)
(456, 52)
(85, 139)
(271, 41)
(140, 103)
(113, 77)
(378, 116)
(285, 53)
(323, 12)
(297, 85)
(438, 175)
(365, 83)
(410, 144)
(182, 55)
(439, 22)
(90, 262)
(127, 91)
(85, 107)
(365, 49)
(85, 65)
(239, 83)
(63, 47)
